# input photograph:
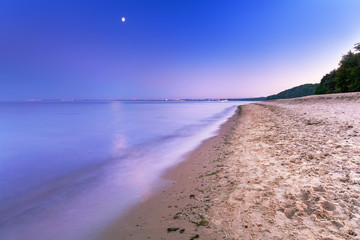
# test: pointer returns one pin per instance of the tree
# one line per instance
(327, 84)
(344, 79)
(357, 47)
(346, 58)
(347, 77)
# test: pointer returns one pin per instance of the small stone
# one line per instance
(352, 233)
(172, 229)
(195, 237)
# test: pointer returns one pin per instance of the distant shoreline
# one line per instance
(66, 100)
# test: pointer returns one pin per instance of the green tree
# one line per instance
(348, 74)
(344, 79)
(327, 84)
(357, 47)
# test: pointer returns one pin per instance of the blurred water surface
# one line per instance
(67, 169)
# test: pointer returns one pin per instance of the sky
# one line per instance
(170, 49)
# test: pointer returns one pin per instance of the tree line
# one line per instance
(299, 91)
(346, 78)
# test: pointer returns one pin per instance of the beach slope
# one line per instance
(293, 171)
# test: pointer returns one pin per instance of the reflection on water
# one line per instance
(69, 169)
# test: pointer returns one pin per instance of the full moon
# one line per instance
(123, 19)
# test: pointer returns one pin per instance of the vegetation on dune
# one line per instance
(299, 91)
(327, 84)
(344, 79)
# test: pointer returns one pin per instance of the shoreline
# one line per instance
(162, 216)
(283, 169)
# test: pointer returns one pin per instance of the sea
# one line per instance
(70, 169)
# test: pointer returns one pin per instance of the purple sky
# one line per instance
(170, 49)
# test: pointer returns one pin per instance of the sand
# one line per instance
(284, 169)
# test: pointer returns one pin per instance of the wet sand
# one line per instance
(284, 169)
(180, 211)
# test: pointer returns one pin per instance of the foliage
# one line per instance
(327, 84)
(357, 47)
(299, 91)
(346, 78)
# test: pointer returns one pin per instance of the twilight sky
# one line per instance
(170, 49)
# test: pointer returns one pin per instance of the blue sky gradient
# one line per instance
(170, 49)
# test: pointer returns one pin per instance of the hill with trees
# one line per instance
(344, 79)
(299, 91)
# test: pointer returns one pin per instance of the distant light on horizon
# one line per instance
(123, 19)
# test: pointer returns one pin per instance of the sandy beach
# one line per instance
(284, 169)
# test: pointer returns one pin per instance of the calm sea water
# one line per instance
(67, 170)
